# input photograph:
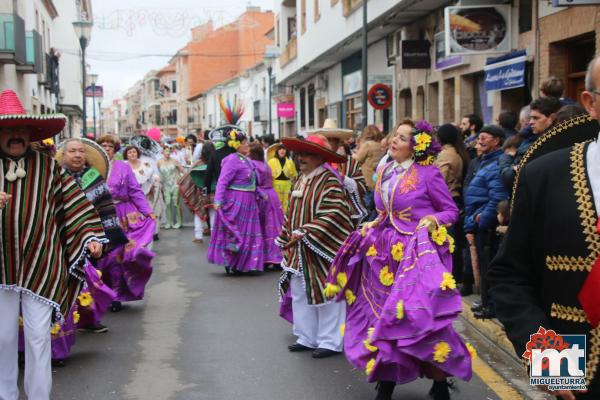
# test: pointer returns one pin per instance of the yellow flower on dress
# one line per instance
(441, 352)
(342, 279)
(370, 366)
(350, 297)
(372, 252)
(342, 329)
(448, 281)
(370, 332)
(451, 244)
(369, 346)
(400, 309)
(386, 277)
(55, 329)
(439, 235)
(85, 299)
(99, 274)
(20, 321)
(331, 290)
(471, 350)
(398, 251)
(76, 317)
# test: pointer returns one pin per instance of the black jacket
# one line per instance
(213, 169)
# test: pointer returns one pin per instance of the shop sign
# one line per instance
(505, 72)
(286, 110)
(415, 54)
(380, 96)
(477, 29)
(94, 91)
(443, 61)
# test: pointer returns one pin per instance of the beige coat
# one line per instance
(451, 167)
(369, 153)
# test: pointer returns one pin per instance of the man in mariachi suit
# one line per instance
(348, 170)
(317, 223)
(547, 272)
(47, 226)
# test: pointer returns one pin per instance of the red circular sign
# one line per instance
(380, 96)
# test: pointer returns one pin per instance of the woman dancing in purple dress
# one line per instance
(395, 275)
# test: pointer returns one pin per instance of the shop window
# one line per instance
(433, 94)
(420, 103)
(353, 111)
(405, 104)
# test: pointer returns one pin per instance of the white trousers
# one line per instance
(211, 217)
(36, 324)
(316, 326)
(199, 226)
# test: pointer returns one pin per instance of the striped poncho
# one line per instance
(318, 209)
(44, 232)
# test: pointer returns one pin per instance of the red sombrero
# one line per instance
(313, 145)
(13, 115)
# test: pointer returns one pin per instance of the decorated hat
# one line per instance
(331, 131)
(313, 145)
(40, 126)
(273, 149)
(95, 156)
(221, 134)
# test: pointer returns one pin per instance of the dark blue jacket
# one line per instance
(484, 193)
(507, 161)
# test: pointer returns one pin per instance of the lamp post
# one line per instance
(365, 67)
(83, 31)
(271, 54)
(93, 78)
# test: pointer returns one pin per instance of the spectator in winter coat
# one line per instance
(482, 196)
(553, 86)
(470, 126)
(508, 120)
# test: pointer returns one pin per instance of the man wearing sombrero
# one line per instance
(545, 280)
(316, 225)
(47, 227)
(347, 169)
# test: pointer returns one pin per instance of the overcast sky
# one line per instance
(131, 37)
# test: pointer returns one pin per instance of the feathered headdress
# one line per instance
(232, 112)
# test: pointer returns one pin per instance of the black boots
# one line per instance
(440, 390)
(385, 389)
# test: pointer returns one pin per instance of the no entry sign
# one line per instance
(380, 96)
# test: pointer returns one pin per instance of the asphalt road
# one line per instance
(200, 334)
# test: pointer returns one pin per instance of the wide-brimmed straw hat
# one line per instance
(95, 156)
(313, 145)
(40, 126)
(331, 131)
(273, 149)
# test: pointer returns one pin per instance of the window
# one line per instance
(173, 86)
(303, 12)
(156, 85)
(292, 28)
(311, 106)
(317, 11)
(525, 14)
(302, 107)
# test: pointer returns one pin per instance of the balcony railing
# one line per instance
(289, 52)
(12, 39)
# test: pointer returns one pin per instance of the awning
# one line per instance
(505, 72)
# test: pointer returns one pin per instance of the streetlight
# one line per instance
(83, 30)
(93, 78)
(271, 54)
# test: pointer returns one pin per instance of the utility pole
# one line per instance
(365, 72)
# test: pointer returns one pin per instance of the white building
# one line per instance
(40, 56)
(320, 64)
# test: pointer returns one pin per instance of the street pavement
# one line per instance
(200, 334)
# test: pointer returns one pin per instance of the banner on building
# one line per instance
(286, 110)
(415, 54)
(477, 29)
(505, 72)
(443, 61)
(94, 91)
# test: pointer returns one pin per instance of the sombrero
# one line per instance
(331, 131)
(313, 145)
(41, 126)
(272, 150)
(565, 134)
(95, 156)
(148, 146)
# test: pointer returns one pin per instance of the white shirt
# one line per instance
(593, 169)
(197, 152)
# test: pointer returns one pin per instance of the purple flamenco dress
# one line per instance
(127, 268)
(236, 239)
(397, 282)
(271, 214)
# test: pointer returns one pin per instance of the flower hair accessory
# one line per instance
(233, 142)
(424, 145)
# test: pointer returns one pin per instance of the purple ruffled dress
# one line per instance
(271, 214)
(127, 269)
(236, 239)
(397, 282)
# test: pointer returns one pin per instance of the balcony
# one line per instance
(290, 52)
(12, 39)
(34, 57)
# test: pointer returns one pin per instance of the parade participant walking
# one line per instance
(348, 170)
(170, 172)
(394, 275)
(316, 225)
(547, 273)
(271, 214)
(127, 269)
(236, 240)
(284, 172)
(56, 227)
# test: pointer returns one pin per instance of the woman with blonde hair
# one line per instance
(284, 172)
